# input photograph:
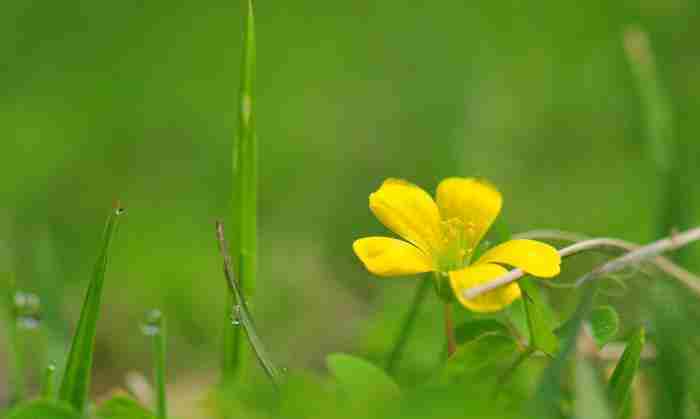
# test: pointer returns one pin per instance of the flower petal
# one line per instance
(476, 203)
(536, 258)
(409, 212)
(384, 256)
(474, 275)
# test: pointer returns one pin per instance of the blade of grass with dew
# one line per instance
(240, 315)
(154, 327)
(245, 184)
(76, 377)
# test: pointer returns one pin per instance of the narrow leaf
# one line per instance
(604, 323)
(540, 323)
(620, 385)
(76, 377)
(244, 197)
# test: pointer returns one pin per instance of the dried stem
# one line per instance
(241, 313)
(649, 251)
(661, 263)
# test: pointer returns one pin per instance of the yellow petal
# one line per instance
(533, 257)
(476, 203)
(474, 275)
(384, 256)
(409, 212)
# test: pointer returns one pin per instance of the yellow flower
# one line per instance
(441, 237)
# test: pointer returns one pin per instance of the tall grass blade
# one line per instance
(407, 325)
(47, 382)
(76, 376)
(245, 184)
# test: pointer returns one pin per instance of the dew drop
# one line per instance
(152, 324)
(236, 315)
(27, 310)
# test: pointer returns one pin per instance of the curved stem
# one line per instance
(407, 325)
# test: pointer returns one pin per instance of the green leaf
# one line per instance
(360, 380)
(483, 358)
(604, 323)
(76, 377)
(244, 198)
(473, 329)
(43, 409)
(591, 402)
(121, 407)
(539, 320)
(620, 385)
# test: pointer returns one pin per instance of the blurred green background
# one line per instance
(137, 101)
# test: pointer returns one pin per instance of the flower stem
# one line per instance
(408, 322)
(450, 331)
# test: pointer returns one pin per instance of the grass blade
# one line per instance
(76, 377)
(620, 385)
(245, 184)
(48, 381)
(409, 321)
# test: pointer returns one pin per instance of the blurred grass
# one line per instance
(134, 100)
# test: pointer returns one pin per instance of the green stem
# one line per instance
(450, 331)
(245, 185)
(47, 381)
(15, 357)
(76, 377)
(407, 325)
(157, 331)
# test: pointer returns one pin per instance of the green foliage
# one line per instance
(480, 360)
(43, 409)
(620, 385)
(539, 321)
(473, 329)
(121, 407)
(76, 377)
(605, 323)
(361, 382)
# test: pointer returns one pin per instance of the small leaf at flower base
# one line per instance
(473, 329)
(360, 381)
(590, 402)
(539, 320)
(479, 360)
(43, 409)
(121, 407)
(620, 385)
(604, 323)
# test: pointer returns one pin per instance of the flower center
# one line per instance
(454, 252)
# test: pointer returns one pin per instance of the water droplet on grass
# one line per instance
(152, 324)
